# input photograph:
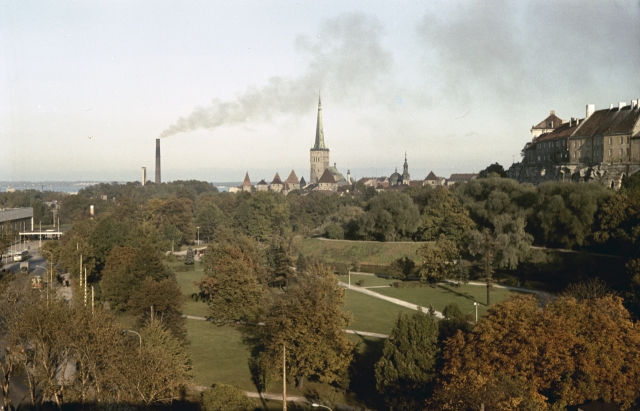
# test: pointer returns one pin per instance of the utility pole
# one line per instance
(85, 286)
(284, 378)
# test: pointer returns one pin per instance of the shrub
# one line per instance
(341, 268)
(401, 268)
(188, 259)
(334, 232)
(222, 397)
(408, 284)
(452, 310)
(360, 283)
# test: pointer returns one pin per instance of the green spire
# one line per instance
(319, 130)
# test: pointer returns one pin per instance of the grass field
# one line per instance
(464, 296)
(372, 314)
(367, 252)
(369, 280)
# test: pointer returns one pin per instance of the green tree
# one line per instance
(264, 214)
(389, 215)
(401, 268)
(209, 218)
(494, 169)
(334, 232)
(308, 320)
(444, 214)
(172, 211)
(222, 397)
(408, 363)
(301, 263)
(165, 298)
(188, 258)
(438, 260)
(231, 284)
(505, 248)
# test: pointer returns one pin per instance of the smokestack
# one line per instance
(158, 179)
(144, 175)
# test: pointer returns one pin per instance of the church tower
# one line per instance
(319, 152)
(405, 173)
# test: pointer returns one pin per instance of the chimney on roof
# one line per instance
(553, 113)
(621, 105)
(590, 109)
(611, 106)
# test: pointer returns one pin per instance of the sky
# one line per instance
(232, 86)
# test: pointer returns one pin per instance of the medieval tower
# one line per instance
(319, 152)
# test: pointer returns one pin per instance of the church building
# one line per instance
(319, 152)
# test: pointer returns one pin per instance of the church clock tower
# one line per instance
(319, 152)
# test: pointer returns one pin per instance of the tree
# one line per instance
(188, 258)
(172, 211)
(159, 372)
(562, 354)
(209, 218)
(231, 284)
(408, 361)
(494, 169)
(504, 248)
(454, 320)
(438, 260)
(125, 269)
(334, 232)
(388, 215)
(222, 397)
(264, 214)
(401, 268)
(308, 321)
(443, 214)
(301, 263)
(166, 300)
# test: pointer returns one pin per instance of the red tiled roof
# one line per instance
(293, 178)
(431, 176)
(246, 182)
(327, 177)
(463, 176)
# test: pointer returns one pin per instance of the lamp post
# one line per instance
(136, 333)
(314, 405)
(51, 262)
(198, 235)
(476, 304)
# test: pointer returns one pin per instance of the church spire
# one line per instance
(319, 145)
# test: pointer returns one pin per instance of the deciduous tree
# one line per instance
(438, 260)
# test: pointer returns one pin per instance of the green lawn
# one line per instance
(372, 314)
(369, 252)
(369, 280)
(464, 296)
(191, 306)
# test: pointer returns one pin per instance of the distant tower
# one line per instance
(319, 152)
(158, 180)
(144, 175)
(405, 171)
(349, 177)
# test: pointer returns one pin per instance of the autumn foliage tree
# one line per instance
(566, 353)
(309, 322)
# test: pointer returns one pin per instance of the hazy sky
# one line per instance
(87, 86)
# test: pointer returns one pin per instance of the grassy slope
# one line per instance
(368, 252)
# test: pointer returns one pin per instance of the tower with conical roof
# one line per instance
(406, 178)
(319, 152)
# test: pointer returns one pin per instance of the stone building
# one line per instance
(262, 186)
(246, 184)
(547, 125)
(276, 185)
(292, 181)
(433, 180)
(604, 146)
(319, 153)
(396, 178)
(327, 182)
(460, 178)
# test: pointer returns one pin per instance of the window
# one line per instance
(574, 154)
(610, 152)
(574, 144)
(621, 152)
(610, 140)
(627, 151)
(538, 158)
(621, 140)
(588, 143)
(580, 154)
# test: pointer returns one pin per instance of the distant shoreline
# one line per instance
(75, 186)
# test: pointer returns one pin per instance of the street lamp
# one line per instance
(51, 275)
(198, 235)
(136, 333)
(476, 304)
(314, 405)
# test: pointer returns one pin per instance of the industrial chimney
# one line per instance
(144, 175)
(158, 179)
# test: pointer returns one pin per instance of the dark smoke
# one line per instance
(346, 61)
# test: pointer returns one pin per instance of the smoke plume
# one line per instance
(346, 61)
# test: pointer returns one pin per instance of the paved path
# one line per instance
(506, 287)
(263, 395)
(384, 297)
(363, 333)
(377, 286)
